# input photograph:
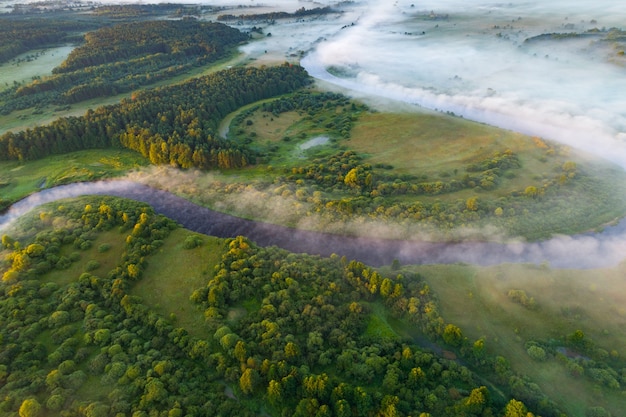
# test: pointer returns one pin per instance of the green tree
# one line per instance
(30, 408)
(516, 409)
(531, 191)
(537, 353)
(274, 392)
(471, 204)
(248, 380)
(452, 335)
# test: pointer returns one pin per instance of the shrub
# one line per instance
(104, 247)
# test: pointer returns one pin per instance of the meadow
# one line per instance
(26, 67)
(18, 179)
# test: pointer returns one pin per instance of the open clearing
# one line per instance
(172, 275)
(36, 63)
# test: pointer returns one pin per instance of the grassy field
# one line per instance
(566, 300)
(18, 179)
(441, 147)
(173, 274)
(40, 64)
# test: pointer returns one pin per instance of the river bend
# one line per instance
(582, 251)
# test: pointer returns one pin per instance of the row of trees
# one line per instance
(302, 12)
(346, 170)
(123, 57)
(174, 124)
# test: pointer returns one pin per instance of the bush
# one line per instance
(92, 265)
(104, 247)
(192, 241)
(537, 353)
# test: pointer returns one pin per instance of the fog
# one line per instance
(471, 58)
(465, 57)
(473, 61)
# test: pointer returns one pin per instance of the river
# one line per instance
(577, 252)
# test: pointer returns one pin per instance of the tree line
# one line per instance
(123, 57)
(301, 12)
(174, 124)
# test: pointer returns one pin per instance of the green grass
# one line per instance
(42, 65)
(378, 327)
(442, 147)
(476, 300)
(19, 179)
(173, 273)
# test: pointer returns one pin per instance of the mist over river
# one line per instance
(576, 252)
(481, 60)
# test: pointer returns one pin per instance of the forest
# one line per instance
(109, 309)
(22, 35)
(289, 334)
(169, 125)
(300, 13)
(123, 57)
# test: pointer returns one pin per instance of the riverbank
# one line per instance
(596, 250)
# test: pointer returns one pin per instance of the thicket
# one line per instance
(173, 125)
(307, 340)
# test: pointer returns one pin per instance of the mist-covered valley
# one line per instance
(547, 330)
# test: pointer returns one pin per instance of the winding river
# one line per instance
(582, 251)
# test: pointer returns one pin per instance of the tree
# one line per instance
(531, 191)
(516, 409)
(291, 350)
(477, 400)
(274, 392)
(30, 408)
(248, 380)
(472, 204)
(537, 353)
(452, 335)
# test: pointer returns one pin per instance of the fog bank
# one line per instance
(597, 250)
(475, 62)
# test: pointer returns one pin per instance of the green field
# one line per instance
(33, 64)
(19, 179)
(172, 276)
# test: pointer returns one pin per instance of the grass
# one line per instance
(476, 300)
(378, 328)
(173, 273)
(442, 147)
(42, 65)
(18, 179)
